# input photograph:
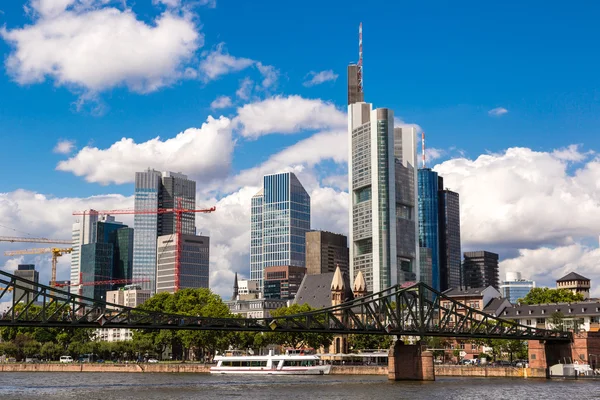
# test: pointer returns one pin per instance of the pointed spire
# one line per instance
(337, 283)
(236, 288)
(360, 285)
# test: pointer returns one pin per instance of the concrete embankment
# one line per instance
(440, 370)
(168, 368)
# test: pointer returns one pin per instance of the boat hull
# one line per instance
(317, 370)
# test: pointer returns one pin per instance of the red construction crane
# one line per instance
(178, 211)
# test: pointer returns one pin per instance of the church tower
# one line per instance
(338, 289)
(360, 286)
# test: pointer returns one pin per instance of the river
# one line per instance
(109, 386)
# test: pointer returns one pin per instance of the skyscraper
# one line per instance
(154, 190)
(84, 231)
(449, 238)
(193, 267)
(480, 269)
(515, 287)
(280, 218)
(25, 271)
(325, 251)
(383, 229)
(428, 221)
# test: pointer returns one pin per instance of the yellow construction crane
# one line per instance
(56, 252)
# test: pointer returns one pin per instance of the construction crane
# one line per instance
(14, 239)
(56, 252)
(178, 211)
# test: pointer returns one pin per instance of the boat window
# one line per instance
(299, 363)
(244, 364)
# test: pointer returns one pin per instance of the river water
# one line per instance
(129, 386)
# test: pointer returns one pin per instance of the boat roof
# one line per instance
(266, 357)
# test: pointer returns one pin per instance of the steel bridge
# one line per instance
(412, 309)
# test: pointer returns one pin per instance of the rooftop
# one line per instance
(573, 276)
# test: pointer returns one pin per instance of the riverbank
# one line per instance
(440, 370)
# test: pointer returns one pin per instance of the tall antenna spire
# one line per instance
(423, 147)
(360, 60)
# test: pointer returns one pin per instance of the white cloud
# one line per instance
(317, 78)
(88, 45)
(432, 154)
(270, 74)
(571, 153)
(498, 111)
(245, 89)
(64, 147)
(219, 62)
(523, 199)
(203, 153)
(288, 115)
(221, 102)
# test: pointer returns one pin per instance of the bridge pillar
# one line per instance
(410, 363)
(585, 348)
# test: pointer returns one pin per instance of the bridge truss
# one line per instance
(407, 310)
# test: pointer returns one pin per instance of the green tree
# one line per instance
(51, 351)
(546, 295)
(297, 339)
(372, 342)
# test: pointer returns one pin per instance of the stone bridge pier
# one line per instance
(585, 349)
(410, 362)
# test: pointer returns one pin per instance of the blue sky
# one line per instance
(435, 64)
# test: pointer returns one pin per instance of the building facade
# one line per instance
(425, 262)
(325, 251)
(429, 221)
(515, 287)
(282, 282)
(575, 283)
(154, 190)
(193, 264)
(128, 296)
(96, 265)
(449, 238)
(84, 232)
(583, 315)
(480, 269)
(280, 218)
(382, 159)
(255, 308)
(25, 271)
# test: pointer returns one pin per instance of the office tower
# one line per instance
(25, 271)
(325, 251)
(480, 269)
(383, 230)
(425, 261)
(154, 190)
(127, 296)
(84, 232)
(193, 265)
(355, 75)
(515, 287)
(428, 220)
(122, 241)
(280, 218)
(96, 265)
(449, 238)
(282, 282)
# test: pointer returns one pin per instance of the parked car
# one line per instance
(152, 360)
(66, 359)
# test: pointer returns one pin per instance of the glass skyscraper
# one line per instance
(154, 190)
(449, 239)
(381, 177)
(280, 218)
(515, 287)
(428, 221)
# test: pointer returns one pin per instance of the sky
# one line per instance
(226, 91)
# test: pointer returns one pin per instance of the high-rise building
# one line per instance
(282, 282)
(428, 221)
(515, 287)
(84, 232)
(96, 265)
(280, 218)
(193, 264)
(128, 296)
(449, 238)
(122, 241)
(25, 271)
(425, 264)
(480, 269)
(383, 232)
(154, 190)
(325, 251)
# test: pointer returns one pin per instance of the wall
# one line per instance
(188, 368)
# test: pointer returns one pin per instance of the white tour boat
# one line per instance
(291, 363)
